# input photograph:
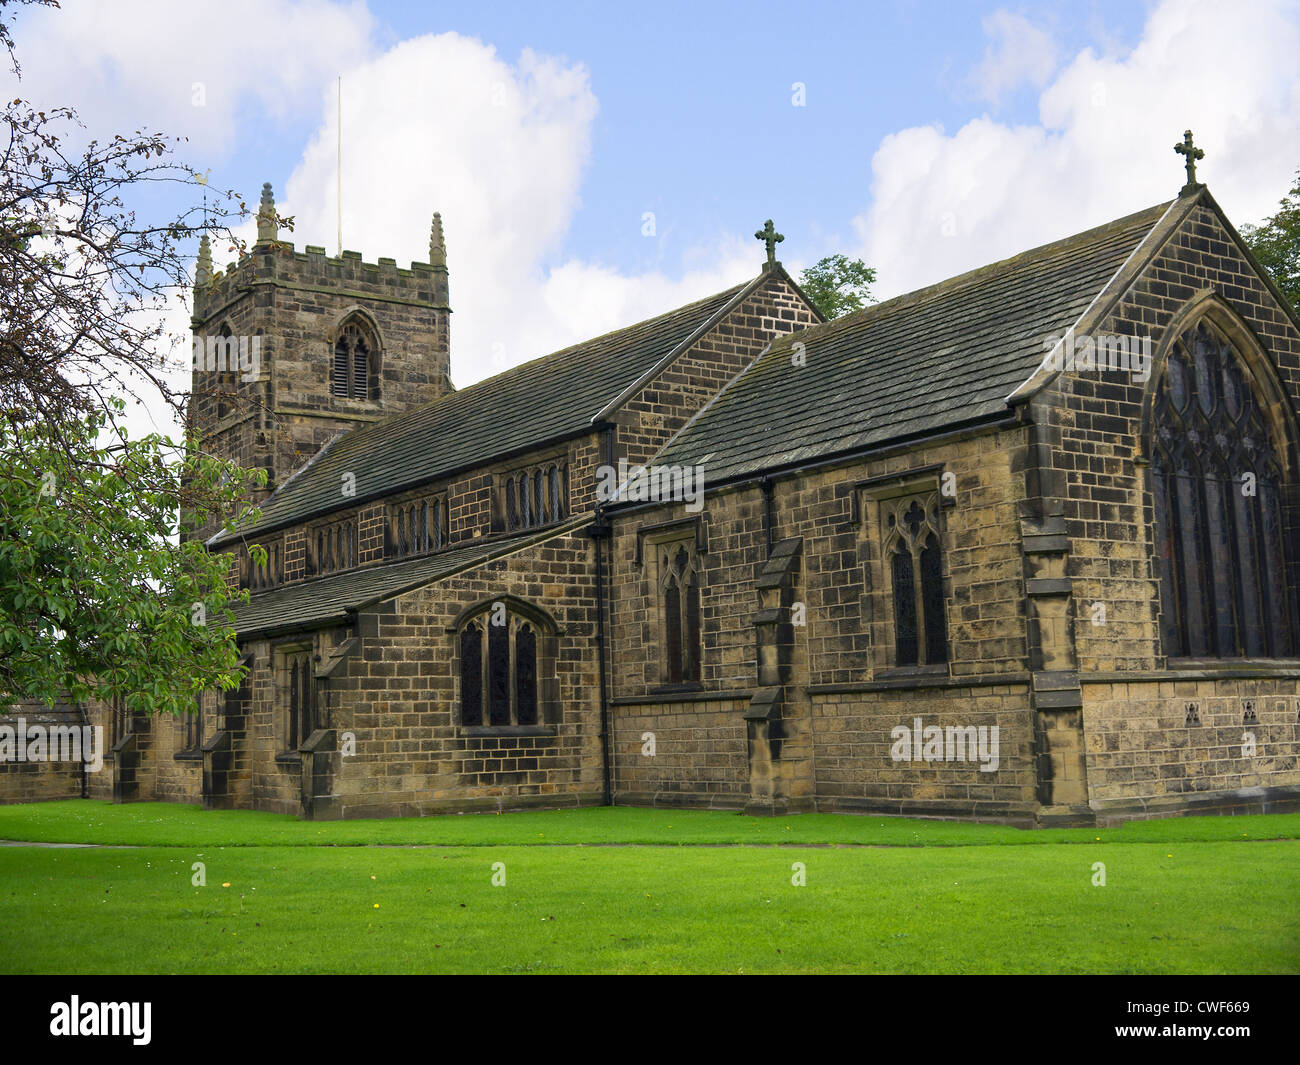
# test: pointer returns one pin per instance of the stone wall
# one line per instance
(35, 781)
(681, 753)
(1140, 751)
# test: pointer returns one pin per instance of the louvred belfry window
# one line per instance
(915, 566)
(354, 356)
(1217, 487)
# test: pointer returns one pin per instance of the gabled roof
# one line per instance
(946, 355)
(333, 599)
(547, 399)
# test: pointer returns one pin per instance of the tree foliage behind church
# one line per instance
(1276, 244)
(838, 285)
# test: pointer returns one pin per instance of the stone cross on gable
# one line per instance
(769, 236)
(1190, 153)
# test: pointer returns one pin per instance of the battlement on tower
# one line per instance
(282, 265)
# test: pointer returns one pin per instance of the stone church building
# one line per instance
(1020, 546)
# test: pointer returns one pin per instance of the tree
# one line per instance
(97, 596)
(1276, 244)
(838, 285)
(99, 591)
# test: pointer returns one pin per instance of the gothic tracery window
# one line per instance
(503, 657)
(679, 586)
(914, 564)
(354, 359)
(1216, 484)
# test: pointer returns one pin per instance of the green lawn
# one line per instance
(1192, 895)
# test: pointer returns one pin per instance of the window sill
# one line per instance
(192, 755)
(288, 758)
(909, 672)
(678, 689)
(508, 730)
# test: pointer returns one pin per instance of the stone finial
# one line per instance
(437, 244)
(203, 271)
(267, 230)
(1190, 154)
(771, 238)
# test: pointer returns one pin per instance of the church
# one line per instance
(1021, 546)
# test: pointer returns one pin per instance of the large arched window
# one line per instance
(1216, 481)
(356, 357)
(507, 666)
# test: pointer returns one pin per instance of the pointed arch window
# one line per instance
(1217, 486)
(355, 360)
(298, 690)
(679, 587)
(915, 569)
(506, 653)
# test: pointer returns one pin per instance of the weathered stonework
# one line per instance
(802, 696)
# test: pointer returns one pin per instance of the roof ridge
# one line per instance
(952, 284)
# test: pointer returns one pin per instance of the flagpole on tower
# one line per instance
(339, 174)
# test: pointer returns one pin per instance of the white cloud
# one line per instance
(1019, 53)
(190, 69)
(1103, 146)
(442, 122)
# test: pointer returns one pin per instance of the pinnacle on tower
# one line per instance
(267, 230)
(203, 271)
(437, 245)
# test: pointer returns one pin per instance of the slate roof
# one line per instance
(915, 364)
(546, 399)
(328, 600)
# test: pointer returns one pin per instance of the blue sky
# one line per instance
(934, 137)
(696, 120)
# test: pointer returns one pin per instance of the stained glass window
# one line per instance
(1215, 482)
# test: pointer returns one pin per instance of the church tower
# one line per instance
(291, 347)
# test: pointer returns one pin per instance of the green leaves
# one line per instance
(99, 595)
(1276, 244)
(838, 285)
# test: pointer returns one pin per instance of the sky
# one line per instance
(596, 164)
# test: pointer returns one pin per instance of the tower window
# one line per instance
(355, 360)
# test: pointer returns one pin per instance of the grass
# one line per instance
(1193, 895)
(175, 825)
